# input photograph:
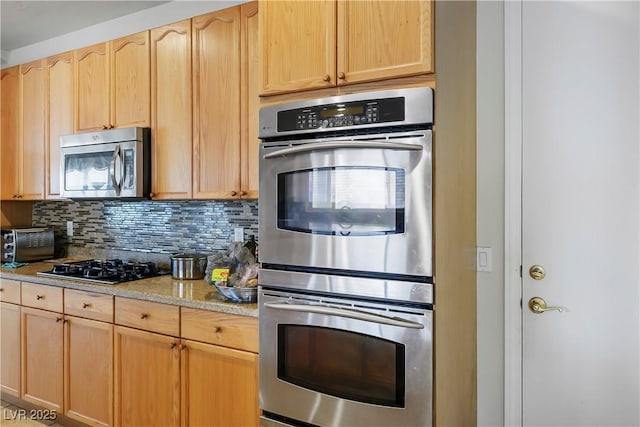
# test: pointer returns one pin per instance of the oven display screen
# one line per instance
(346, 201)
(342, 111)
(344, 364)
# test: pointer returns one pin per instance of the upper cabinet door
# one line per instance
(31, 164)
(9, 132)
(298, 45)
(380, 39)
(250, 89)
(92, 88)
(216, 104)
(60, 113)
(130, 88)
(171, 111)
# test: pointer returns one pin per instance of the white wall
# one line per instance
(166, 13)
(490, 209)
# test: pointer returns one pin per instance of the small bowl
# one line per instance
(241, 295)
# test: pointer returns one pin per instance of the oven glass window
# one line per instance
(349, 201)
(341, 363)
(87, 171)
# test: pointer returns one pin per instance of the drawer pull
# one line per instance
(217, 329)
(58, 319)
(65, 321)
(86, 305)
(173, 345)
(39, 297)
(144, 316)
(183, 347)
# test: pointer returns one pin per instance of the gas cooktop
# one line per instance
(108, 272)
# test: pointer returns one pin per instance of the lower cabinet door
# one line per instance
(89, 371)
(42, 341)
(10, 349)
(147, 378)
(219, 386)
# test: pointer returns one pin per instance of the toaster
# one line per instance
(27, 244)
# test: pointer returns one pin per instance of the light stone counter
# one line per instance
(162, 289)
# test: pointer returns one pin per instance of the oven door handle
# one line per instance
(332, 145)
(344, 312)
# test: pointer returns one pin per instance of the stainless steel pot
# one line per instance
(188, 266)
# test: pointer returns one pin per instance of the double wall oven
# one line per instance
(346, 289)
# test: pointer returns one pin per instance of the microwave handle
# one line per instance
(344, 312)
(332, 145)
(112, 171)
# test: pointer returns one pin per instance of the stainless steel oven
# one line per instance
(336, 361)
(345, 183)
(346, 290)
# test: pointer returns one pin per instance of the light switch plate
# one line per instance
(70, 228)
(483, 258)
(238, 234)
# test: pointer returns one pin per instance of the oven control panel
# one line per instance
(342, 114)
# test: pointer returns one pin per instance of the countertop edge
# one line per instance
(214, 303)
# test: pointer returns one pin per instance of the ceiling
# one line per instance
(26, 22)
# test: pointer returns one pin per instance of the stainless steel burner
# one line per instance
(111, 271)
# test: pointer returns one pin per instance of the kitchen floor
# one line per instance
(14, 416)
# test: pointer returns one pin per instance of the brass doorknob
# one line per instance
(537, 272)
(538, 306)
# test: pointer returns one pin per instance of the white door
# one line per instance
(580, 212)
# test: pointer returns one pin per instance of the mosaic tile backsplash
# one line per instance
(146, 226)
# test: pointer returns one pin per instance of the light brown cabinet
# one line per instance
(88, 371)
(171, 115)
(31, 164)
(10, 348)
(219, 386)
(204, 103)
(216, 104)
(319, 44)
(67, 362)
(42, 356)
(9, 132)
(112, 84)
(219, 364)
(60, 116)
(23, 131)
(249, 100)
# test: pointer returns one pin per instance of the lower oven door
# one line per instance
(330, 361)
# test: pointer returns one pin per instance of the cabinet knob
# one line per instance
(183, 347)
(39, 297)
(86, 305)
(341, 76)
(1, 289)
(152, 195)
(173, 345)
(105, 127)
(327, 78)
(58, 319)
(144, 316)
(217, 329)
(234, 193)
(243, 193)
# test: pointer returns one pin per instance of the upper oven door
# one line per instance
(358, 203)
(109, 170)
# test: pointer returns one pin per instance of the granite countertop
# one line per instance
(162, 289)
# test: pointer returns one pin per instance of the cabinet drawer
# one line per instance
(10, 291)
(42, 296)
(150, 316)
(89, 305)
(228, 330)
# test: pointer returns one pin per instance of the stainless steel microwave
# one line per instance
(110, 164)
